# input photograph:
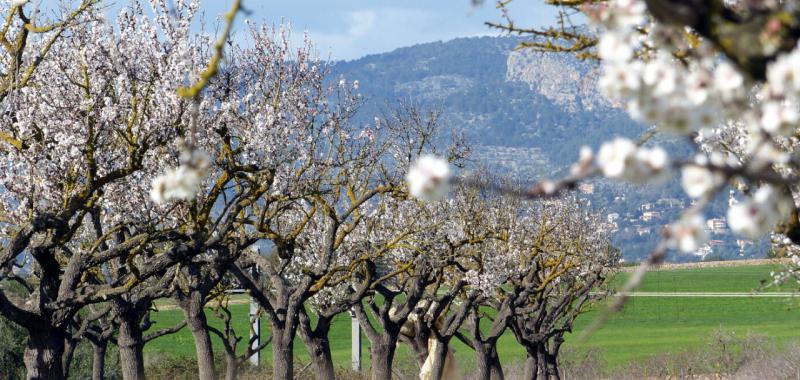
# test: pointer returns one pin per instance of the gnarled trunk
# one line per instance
(434, 367)
(549, 354)
(66, 357)
(320, 351)
(131, 346)
(231, 366)
(282, 355)
(487, 362)
(540, 359)
(43, 354)
(531, 365)
(196, 320)
(318, 345)
(381, 353)
(99, 359)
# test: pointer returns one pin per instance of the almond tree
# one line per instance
(83, 133)
(314, 187)
(477, 236)
(566, 256)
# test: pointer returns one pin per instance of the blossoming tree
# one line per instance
(82, 126)
(723, 74)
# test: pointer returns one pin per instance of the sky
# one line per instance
(350, 29)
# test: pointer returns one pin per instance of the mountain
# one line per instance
(528, 113)
(508, 104)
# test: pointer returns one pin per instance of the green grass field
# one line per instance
(645, 327)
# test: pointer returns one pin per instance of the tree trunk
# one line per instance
(282, 355)
(99, 359)
(487, 363)
(541, 360)
(531, 365)
(434, 366)
(551, 354)
(320, 351)
(131, 346)
(381, 354)
(318, 346)
(550, 365)
(66, 356)
(196, 320)
(43, 354)
(231, 366)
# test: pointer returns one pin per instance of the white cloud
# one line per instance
(361, 22)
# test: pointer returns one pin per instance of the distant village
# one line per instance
(649, 218)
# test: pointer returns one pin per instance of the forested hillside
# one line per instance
(527, 114)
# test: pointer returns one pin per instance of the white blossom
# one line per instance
(783, 75)
(758, 215)
(697, 181)
(614, 47)
(727, 80)
(625, 13)
(622, 159)
(779, 118)
(181, 183)
(698, 84)
(620, 80)
(688, 233)
(429, 178)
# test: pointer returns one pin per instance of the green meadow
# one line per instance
(646, 326)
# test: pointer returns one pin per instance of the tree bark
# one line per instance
(381, 353)
(531, 365)
(318, 345)
(282, 355)
(231, 366)
(67, 355)
(487, 362)
(550, 366)
(131, 347)
(196, 320)
(99, 360)
(437, 354)
(43, 354)
(541, 360)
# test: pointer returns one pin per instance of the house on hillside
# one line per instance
(717, 226)
(650, 215)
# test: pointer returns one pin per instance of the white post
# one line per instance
(255, 320)
(255, 330)
(355, 339)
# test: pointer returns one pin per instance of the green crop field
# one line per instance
(646, 326)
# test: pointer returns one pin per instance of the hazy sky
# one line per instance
(353, 28)
(349, 29)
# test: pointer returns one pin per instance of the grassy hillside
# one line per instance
(645, 327)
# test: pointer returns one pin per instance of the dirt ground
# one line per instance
(713, 264)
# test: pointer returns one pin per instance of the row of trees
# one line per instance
(267, 175)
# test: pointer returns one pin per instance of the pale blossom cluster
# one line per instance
(758, 214)
(133, 62)
(183, 182)
(429, 178)
(622, 159)
(698, 181)
(742, 128)
(688, 233)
